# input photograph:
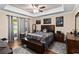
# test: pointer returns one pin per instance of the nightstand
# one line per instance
(59, 37)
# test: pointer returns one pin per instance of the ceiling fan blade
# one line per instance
(42, 7)
(36, 5)
(40, 10)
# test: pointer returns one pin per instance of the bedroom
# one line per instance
(31, 21)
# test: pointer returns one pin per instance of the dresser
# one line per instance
(72, 44)
(59, 37)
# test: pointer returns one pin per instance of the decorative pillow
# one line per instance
(45, 30)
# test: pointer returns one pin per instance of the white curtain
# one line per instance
(24, 25)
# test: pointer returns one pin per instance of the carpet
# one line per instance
(58, 47)
(21, 50)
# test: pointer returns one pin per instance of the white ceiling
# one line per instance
(29, 7)
(26, 9)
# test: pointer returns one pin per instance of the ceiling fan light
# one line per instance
(34, 6)
(35, 10)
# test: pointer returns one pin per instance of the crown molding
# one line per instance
(22, 12)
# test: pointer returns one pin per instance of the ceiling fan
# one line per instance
(38, 8)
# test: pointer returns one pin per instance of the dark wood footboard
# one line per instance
(35, 46)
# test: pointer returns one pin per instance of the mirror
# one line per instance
(77, 24)
(34, 28)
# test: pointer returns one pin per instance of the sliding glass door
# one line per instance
(16, 26)
(13, 28)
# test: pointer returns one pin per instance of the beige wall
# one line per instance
(69, 22)
(4, 22)
(3, 25)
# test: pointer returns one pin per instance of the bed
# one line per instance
(43, 37)
(39, 41)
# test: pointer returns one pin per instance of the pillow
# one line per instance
(2, 44)
(45, 30)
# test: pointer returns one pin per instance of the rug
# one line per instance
(58, 47)
(21, 50)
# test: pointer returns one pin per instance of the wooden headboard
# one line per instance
(50, 28)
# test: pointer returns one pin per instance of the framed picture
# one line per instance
(59, 21)
(38, 21)
(47, 21)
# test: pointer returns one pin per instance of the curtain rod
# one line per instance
(17, 16)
